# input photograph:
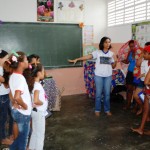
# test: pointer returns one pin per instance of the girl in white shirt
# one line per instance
(21, 99)
(40, 104)
(105, 61)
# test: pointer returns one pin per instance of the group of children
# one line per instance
(138, 83)
(22, 99)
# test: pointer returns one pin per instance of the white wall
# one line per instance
(120, 34)
(18, 10)
(25, 11)
(95, 14)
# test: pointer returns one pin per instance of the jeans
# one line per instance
(23, 122)
(38, 131)
(103, 84)
(4, 106)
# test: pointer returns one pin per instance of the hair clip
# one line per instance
(14, 58)
(30, 66)
(15, 53)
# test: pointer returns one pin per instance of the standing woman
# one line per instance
(105, 61)
(129, 78)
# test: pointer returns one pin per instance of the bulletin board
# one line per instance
(141, 32)
(71, 11)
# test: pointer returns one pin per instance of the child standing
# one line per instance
(141, 63)
(129, 78)
(4, 100)
(146, 67)
(21, 104)
(40, 104)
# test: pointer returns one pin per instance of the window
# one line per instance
(128, 11)
(148, 10)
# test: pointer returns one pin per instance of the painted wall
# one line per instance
(120, 34)
(71, 79)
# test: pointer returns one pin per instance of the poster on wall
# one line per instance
(45, 10)
(88, 34)
(140, 32)
(70, 11)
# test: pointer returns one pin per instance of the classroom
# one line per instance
(91, 57)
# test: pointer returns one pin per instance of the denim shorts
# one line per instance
(141, 84)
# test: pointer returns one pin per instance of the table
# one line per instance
(53, 94)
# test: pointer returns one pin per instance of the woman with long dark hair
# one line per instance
(105, 61)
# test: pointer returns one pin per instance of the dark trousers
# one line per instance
(4, 106)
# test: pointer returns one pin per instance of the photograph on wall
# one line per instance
(70, 11)
(45, 10)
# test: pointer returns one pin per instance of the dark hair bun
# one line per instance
(3, 53)
(14, 65)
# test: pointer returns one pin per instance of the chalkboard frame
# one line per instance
(79, 64)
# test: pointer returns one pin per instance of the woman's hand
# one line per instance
(115, 57)
(73, 61)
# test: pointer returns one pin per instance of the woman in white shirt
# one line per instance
(105, 61)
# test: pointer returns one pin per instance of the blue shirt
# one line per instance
(132, 63)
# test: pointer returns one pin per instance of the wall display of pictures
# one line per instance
(88, 50)
(45, 10)
(140, 32)
(88, 35)
(71, 11)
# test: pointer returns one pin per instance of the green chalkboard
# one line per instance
(54, 43)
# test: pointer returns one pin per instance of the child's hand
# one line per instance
(73, 61)
(34, 106)
(138, 77)
(25, 107)
(16, 106)
(2, 79)
(141, 55)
